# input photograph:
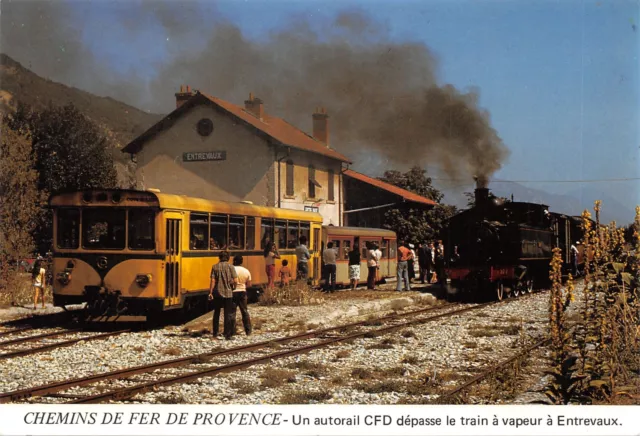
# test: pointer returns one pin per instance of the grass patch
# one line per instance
(302, 397)
(138, 348)
(470, 345)
(483, 332)
(171, 351)
(276, 377)
(172, 398)
(243, 387)
(361, 373)
(408, 334)
(410, 359)
(383, 386)
(511, 330)
(342, 354)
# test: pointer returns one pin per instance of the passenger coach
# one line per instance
(144, 252)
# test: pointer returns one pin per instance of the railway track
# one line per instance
(12, 353)
(450, 395)
(326, 337)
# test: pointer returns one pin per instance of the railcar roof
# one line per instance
(178, 202)
(358, 231)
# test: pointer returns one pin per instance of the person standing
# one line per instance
(270, 256)
(431, 263)
(372, 265)
(302, 259)
(439, 261)
(329, 259)
(404, 254)
(38, 275)
(354, 265)
(423, 255)
(285, 274)
(574, 259)
(224, 280)
(411, 263)
(240, 295)
(378, 254)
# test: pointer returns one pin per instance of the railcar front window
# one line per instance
(142, 229)
(103, 228)
(68, 228)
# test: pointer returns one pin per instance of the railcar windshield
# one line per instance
(103, 228)
(68, 235)
(142, 229)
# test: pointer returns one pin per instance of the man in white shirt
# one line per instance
(302, 256)
(373, 259)
(240, 295)
(329, 259)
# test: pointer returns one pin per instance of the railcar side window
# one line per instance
(68, 228)
(292, 234)
(337, 247)
(218, 236)
(142, 229)
(305, 230)
(198, 235)
(281, 233)
(266, 232)
(236, 233)
(251, 233)
(103, 228)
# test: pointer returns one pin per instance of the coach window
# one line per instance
(292, 234)
(384, 247)
(218, 238)
(68, 228)
(345, 250)
(236, 233)
(266, 232)
(281, 234)
(337, 247)
(198, 231)
(305, 230)
(392, 249)
(289, 188)
(142, 229)
(251, 233)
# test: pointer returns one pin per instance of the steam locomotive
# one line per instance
(499, 249)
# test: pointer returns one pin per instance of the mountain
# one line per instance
(120, 122)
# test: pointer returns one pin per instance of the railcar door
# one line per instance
(172, 261)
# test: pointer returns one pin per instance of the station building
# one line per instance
(214, 149)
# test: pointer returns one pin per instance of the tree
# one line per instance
(21, 203)
(71, 153)
(413, 223)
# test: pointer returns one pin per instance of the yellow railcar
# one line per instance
(128, 252)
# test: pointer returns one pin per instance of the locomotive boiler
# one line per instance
(501, 248)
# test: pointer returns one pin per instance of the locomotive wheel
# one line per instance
(516, 290)
(499, 291)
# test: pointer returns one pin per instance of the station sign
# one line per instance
(200, 156)
(311, 209)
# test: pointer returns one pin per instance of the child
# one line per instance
(39, 285)
(285, 273)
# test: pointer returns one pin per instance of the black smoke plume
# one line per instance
(382, 96)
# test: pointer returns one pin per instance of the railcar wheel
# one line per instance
(516, 290)
(499, 291)
(530, 286)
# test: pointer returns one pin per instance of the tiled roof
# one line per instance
(274, 127)
(407, 195)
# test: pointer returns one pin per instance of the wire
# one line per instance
(623, 179)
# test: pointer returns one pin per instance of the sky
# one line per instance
(559, 80)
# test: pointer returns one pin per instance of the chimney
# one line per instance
(481, 192)
(254, 106)
(184, 95)
(321, 125)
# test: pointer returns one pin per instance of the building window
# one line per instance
(289, 190)
(313, 183)
(331, 193)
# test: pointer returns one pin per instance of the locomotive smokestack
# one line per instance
(481, 192)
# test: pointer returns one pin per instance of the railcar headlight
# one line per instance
(143, 280)
(64, 277)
